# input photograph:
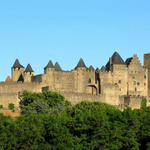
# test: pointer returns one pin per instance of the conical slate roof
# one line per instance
(49, 65)
(128, 60)
(116, 59)
(97, 69)
(103, 68)
(81, 63)
(28, 68)
(107, 66)
(57, 67)
(17, 64)
(91, 68)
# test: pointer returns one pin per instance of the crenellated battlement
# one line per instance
(116, 79)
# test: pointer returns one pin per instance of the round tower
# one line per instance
(80, 78)
(17, 70)
(28, 73)
(49, 67)
(49, 71)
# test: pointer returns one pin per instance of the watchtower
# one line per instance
(49, 67)
(28, 73)
(17, 70)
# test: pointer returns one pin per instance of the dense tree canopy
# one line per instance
(56, 125)
(47, 102)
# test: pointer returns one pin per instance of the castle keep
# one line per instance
(117, 83)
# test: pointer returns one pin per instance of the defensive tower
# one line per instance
(28, 73)
(17, 71)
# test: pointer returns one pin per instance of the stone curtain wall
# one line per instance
(132, 101)
(14, 87)
(9, 92)
(75, 98)
(7, 98)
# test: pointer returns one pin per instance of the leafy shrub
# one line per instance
(1, 106)
(143, 103)
(87, 125)
(11, 107)
(46, 102)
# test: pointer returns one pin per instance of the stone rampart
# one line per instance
(7, 98)
(78, 97)
(132, 101)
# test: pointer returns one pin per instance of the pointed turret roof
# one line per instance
(128, 60)
(8, 79)
(28, 68)
(116, 59)
(97, 69)
(81, 63)
(49, 65)
(57, 67)
(103, 68)
(17, 64)
(107, 66)
(91, 68)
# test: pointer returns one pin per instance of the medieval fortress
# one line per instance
(118, 83)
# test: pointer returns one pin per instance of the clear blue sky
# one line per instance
(36, 31)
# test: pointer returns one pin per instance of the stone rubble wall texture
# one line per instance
(122, 85)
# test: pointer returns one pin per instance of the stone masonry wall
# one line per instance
(9, 92)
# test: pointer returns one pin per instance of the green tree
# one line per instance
(11, 107)
(46, 102)
(1, 106)
(143, 103)
(57, 125)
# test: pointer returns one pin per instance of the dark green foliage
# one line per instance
(11, 107)
(1, 106)
(46, 102)
(143, 104)
(85, 126)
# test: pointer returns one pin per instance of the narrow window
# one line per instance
(138, 83)
(145, 77)
(89, 81)
(119, 81)
(134, 83)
